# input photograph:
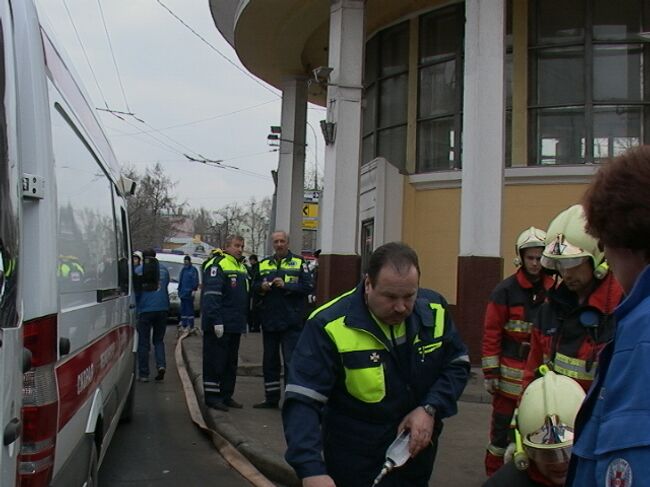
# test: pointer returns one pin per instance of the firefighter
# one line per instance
(544, 431)
(506, 338)
(576, 322)
(379, 359)
(224, 314)
(282, 283)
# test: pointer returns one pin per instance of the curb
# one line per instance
(269, 464)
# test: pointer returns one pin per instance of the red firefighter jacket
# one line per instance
(506, 329)
(569, 336)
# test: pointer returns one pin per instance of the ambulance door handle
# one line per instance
(12, 432)
(27, 360)
(64, 346)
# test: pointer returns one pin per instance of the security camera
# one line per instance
(322, 74)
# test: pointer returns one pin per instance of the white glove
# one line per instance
(510, 451)
(491, 385)
(218, 330)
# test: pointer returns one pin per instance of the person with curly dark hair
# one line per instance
(612, 444)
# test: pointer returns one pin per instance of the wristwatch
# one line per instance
(430, 410)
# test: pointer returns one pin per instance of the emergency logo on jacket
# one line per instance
(619, 474)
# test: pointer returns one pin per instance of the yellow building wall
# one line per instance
(431, 225)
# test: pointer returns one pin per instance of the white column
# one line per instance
(291, 170)
(341, 181)
(483, 129)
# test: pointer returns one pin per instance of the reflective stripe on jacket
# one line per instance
(569, 336)
(282, 308)
(346, 367)
(506, 329)
(225, 294)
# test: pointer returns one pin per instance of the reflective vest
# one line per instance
(225, 294)
(283, 308)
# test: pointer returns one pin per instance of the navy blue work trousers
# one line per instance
(276, 342)
(220, 357)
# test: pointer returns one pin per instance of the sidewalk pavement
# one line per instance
(258, 434)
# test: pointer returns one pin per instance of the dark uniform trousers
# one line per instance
(219, 365)
(274, 341)
(341, 448)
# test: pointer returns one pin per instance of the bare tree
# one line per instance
(150, 207)
(203, 223)
(229, 220)
(257, 221)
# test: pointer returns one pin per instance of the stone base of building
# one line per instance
(477, 277)
(336, 274)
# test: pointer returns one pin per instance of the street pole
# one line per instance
(315, 156)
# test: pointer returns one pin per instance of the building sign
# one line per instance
(310, 210)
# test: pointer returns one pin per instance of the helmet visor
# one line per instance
(551, 443)
(560, 265)
(549, 456)
(560, 254)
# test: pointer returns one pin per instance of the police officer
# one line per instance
(574, 325)
(283, 283)
(382, 358)
(506, 338)
(224, 312)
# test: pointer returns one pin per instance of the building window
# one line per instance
(385, 96)
(588, 99)
(367, 242)
(440, 99)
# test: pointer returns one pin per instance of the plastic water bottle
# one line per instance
(396, 455)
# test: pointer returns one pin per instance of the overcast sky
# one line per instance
(179, 86)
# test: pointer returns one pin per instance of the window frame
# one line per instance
(457, 10)
(590, 106)
(374, 130)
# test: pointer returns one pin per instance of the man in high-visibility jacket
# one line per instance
(506, 338)
(224, 313)
(282, 282)
(381, 358)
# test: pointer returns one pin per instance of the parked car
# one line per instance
(174, 263)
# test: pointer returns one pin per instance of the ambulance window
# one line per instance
(8, 217)
(122, 245)
(87, 264)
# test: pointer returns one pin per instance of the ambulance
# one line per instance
(67, 313)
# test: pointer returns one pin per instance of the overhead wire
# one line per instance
(217, 50)
(83, 49)
(207, 119)
(110, 46)
(165, 145)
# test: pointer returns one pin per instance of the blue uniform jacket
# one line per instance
(613, 426)
(430, 366)
(225, 295)
(283, 308)
(149, 301)
(188, 281)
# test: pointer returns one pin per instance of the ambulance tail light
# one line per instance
(40, 404)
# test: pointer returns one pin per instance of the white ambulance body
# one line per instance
(66, 305)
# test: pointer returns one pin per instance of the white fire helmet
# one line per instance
(546, 417)
(529, 238)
